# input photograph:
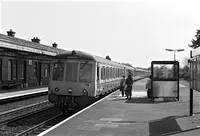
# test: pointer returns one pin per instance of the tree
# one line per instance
(185, 61)
(184, 72)
(195, 43)
(108, 58)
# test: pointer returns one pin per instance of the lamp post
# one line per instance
(174, 52)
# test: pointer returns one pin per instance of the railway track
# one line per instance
(41, 127)
(36, 128)
(15, 114)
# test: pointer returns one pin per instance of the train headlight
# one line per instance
(85, 92)
(69, 90)
(56, 89)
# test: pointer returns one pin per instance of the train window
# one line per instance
(85, 75)
(107, 73)
(58, 71)
(71, 71)
(102, 73)
(97, 72)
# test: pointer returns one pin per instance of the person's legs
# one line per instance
(126, 92)
(130, 94)
(122, 91)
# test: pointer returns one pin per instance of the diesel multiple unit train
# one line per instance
(78, 78)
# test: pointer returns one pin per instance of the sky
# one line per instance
(129, 31)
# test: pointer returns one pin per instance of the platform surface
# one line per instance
(12, 94)
(116, 116)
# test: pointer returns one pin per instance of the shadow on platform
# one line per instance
(146, 100)
(167, 127)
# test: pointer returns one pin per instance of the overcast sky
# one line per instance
(131, 31)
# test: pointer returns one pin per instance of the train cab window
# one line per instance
(58, 71)
(85, 73)
(71, 71)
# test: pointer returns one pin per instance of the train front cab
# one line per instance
(165, 79)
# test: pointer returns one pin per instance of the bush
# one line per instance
(186, 76)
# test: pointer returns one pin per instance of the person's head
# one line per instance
(129, 76)
(123, 76)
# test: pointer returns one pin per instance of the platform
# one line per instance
(20, 93)
(116, 116)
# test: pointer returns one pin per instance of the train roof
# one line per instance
(83, 55)
(25, 45)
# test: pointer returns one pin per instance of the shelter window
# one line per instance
(71, 71)
(85, 75)
(165, 71)
(58, 71)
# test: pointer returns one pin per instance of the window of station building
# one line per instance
(58, 71)
(85, 73)
(1, 67)
(9, 69)
(71, 71)
(46, 70)
(35, 69)
(14, 69)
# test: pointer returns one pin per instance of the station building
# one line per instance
(24, 63)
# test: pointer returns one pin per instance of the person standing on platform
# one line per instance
(128, 86)
(148, 87)
(122, 85)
